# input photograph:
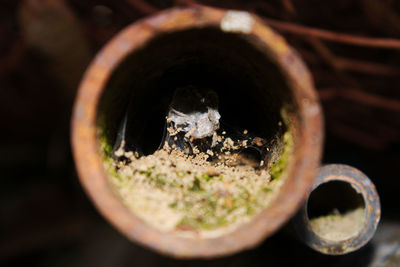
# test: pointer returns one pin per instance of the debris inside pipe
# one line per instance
(206, 178)
(336, 226)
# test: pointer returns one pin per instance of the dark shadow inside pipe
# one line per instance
(336, 210)
(331, 196)
(251, 88)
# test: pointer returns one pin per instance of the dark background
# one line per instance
(45, 217)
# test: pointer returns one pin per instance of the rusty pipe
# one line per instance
(206, 44)
(342, 212)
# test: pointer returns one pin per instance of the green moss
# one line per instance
(196, 185)
(205, 213)
(206, 177)
(244, 193)
(116, 174)
(173, 205)
(266, 189)
(249, 209)
(181, 174)
(173, 183)
(160, 180)
(187, 206)
(203, 222)
(103, 137)
(105, 147)
(147, 172)
(187, 221)
(277, 168)
(202, 213)
(211, 204)
(211, 224)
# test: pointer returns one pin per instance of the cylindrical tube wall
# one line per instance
(247, 60)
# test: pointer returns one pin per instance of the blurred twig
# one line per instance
(361, 97)
(297, 29)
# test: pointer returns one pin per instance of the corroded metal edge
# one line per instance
(308, 141)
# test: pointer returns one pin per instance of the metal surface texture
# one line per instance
(362, 185)
(308, 139)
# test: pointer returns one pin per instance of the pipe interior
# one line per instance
(336, 210)
(252, 89)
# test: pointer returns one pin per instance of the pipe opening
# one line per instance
(255, 101)
(336, 211)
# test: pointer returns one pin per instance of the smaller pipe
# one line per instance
(354, 206)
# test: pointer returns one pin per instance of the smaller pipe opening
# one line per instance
(336, 211)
